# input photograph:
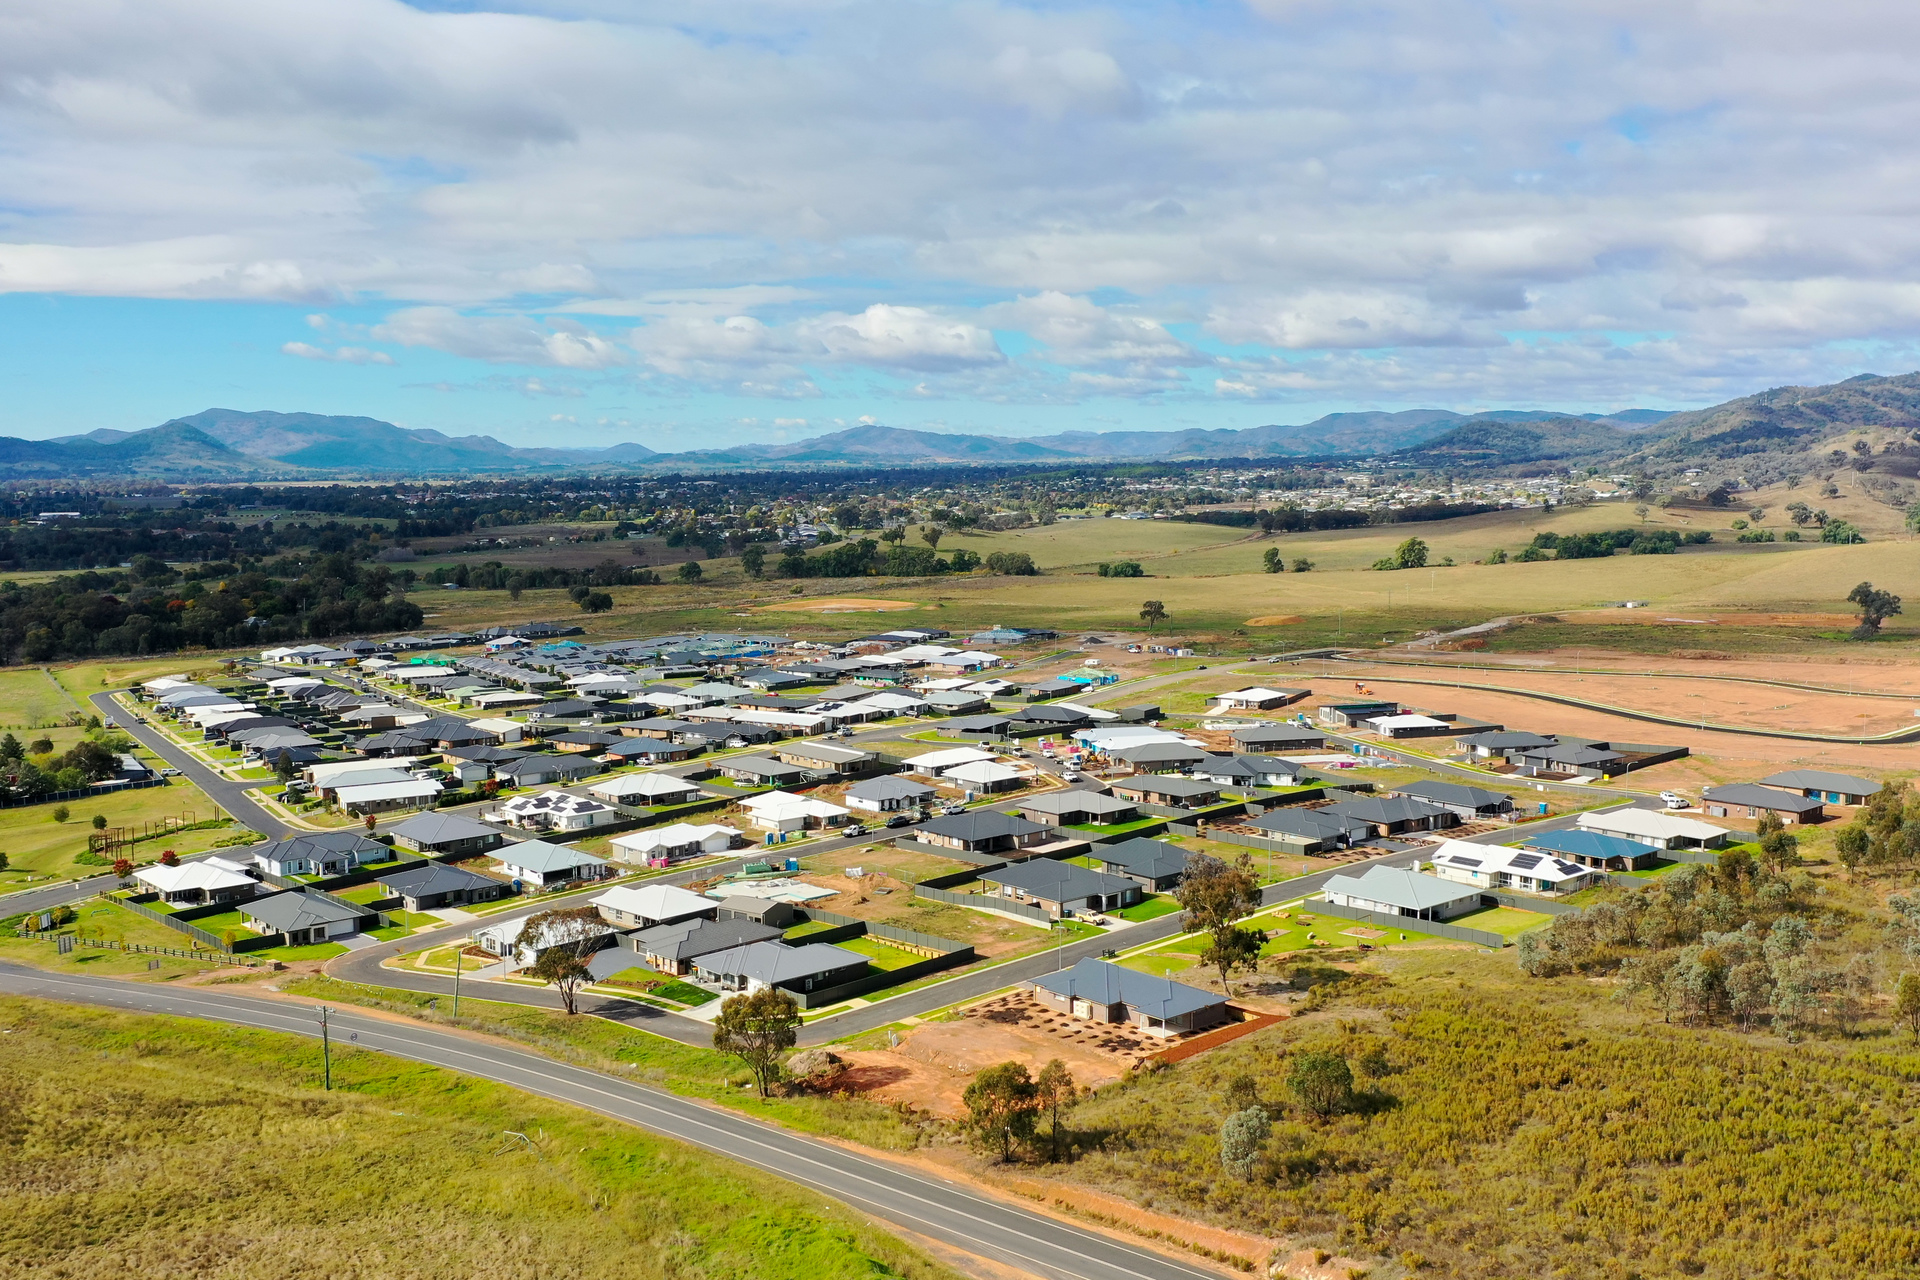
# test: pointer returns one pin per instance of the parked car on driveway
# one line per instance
(902, 820)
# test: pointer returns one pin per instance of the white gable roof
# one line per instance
(1650, 822)
(660, 902)
(948, 758)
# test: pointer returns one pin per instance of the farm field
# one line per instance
(363, 1175)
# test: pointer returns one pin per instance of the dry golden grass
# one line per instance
(156, 1147)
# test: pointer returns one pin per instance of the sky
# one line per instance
(686, 225)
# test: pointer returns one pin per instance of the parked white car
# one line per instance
(1674, 800)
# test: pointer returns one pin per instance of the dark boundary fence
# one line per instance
(1379, 920)
(950, 955)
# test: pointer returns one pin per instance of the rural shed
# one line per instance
(1401, 891)
(1750, 800)
(1101, 992)
(1818, 784)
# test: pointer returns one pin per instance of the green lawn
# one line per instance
(36, 845)
(98, 919)
(1117, 828)
(315, 951)
(880, 954)
(1508, 922)
(1152, 907)
(375, 1166)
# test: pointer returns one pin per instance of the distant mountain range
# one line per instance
(225, 444)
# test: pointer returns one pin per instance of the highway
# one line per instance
(896, 1194)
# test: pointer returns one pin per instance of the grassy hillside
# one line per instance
(162, 1147)
(1537, 1129)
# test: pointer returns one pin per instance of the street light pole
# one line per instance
(326, 1049)
(458, 956)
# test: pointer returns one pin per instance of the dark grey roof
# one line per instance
(763, 767)
(981, 824)
(296, 909)
(1572, 753)
(1507, 740)
(1157, 753)
(434, 877)
(484, 754)
(1155, 859)
(977, 724)
(889, 788)
(1384, 809)
(1056, 881)
(1753, 795)
(686, 939)
(1821, 780)
(1311, 824)
(1051, 715)
(1453, 793)
(1110, 984)
(438, 828)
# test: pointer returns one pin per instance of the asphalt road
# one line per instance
(895, 1194)
(229, 795)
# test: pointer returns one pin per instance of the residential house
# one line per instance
(554, 811)
(1393, 815)
(1591, 849)
(768, 911)
(759, 965)
(434, 885)
(504, 940)
(1490, 866)
(935, 764)
(390, 797)
(320, 853)
(303, 918)
(888, 794)
(546, 769)
(1158, 757)
(672, 948)
(659, 846)
(1046, 719)
(1654, 827)
(1818, 784)
(204, 881)
(784, 811)
(1581, 759)
(1167, 790)
(538, 863)
(1409, 725)
(1469, 804)
(1154, 864)
(1097, 991)
(1272, 737)
(984, 777)
(1061, 889)
(1402, 891)
(1257, 698)
(982, 831)
(648, 789)
(644, 906)
(1501, 743)
(827, 758)
(1078, 808)
(589, 741)
(1251, 771)
(1354, 715)
(446, 835)
(1750, 800)
(764, 771)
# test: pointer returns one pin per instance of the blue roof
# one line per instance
(1590, 844)
(1108, 984)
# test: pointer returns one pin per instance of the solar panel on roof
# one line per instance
(1526, 861)
(1457, 860)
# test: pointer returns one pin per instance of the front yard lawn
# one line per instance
(315, 951)
(1152, 907)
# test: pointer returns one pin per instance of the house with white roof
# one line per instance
(784, 811)
(1494, 867)
(1402, 891)
(659, 846)
(389, 797)
(934, 764)
(646, 905)
(987, 776)
(1654, 827)
(1409, 726)
(554, 811)
(1257, 698)
(645, 789)
(207, 880)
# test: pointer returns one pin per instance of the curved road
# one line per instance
(896, 1194)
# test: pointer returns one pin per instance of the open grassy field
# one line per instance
(100, 919)
(258, 1172)
(30, 699)
(36, 845)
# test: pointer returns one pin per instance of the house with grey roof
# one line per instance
(1469, 804)
(305, 918)
(1750, 800)
(1075, 808)
(1166, 789)
(1392, 815)
(1278, 737)
(764, 771)
(1155, 865)
(319, 853)
(1818, 784)
(432, 885)
(1311, 830)
(1061, 889)
(982, 831)
(888, 794)
(672, 948)
(1101, 992)
(1157, 757)
(759, 965)
(538, 863)
(1402, 891)
(446, 834)
(1251, 771)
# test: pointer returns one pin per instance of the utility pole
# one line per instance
(326, 1048)
(459, 955)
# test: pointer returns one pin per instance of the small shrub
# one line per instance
(61, 813)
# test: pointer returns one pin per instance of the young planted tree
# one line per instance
(99, 822)
(1152, 612)
(563, 937)
(1216, 895)
(122, 867)
(1002, 1107)
(759, 1029)
(1054, 1089)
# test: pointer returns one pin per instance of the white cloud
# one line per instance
(341, 355)
(1416, 178)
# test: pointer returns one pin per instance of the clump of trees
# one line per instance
(1005, 1104)
(1411, 554)
(1132, 569)
(1216, 895)
(29, 773)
